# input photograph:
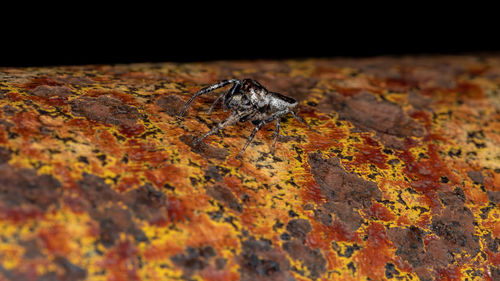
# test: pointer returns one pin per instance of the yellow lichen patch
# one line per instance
(11, 256)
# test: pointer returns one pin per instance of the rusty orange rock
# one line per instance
(99, 180)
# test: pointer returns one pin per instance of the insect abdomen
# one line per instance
(286, 99)
(281, 102)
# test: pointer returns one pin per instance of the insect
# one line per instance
(249, 101)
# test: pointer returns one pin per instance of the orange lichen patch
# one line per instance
(3, 137)
(311, 192)
(126, 183)
(54, 241)
(370, 152)
(132, 130)
(380, 212)
(477, 196)
(26, 123)
(36, 82)
(161, 252)
(372, 259)
(427, 174)
(492, 224)
(321, 235)
(14, 97)
(493, 257)
(169, 174)
(176, 210)
(19, 215)
(99, 179)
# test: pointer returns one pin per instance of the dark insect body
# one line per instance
(249, 101)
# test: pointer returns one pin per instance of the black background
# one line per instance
(184, 34)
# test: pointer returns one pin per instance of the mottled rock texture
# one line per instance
(99, 180)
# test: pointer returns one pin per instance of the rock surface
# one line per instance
(99, 180)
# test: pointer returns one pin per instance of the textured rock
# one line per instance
(99, 180)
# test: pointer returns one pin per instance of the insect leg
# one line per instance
(300, 119)
(250, 138)
(236, 87)
(260, 125)
(204, 91)
(233, 118)
(275, 135)
(215, 102)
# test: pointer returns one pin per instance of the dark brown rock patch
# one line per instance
(204, 149)
(5, 155)
(259, 260)
(345, 192)
(367, 112)
(47, 91)
(105, 109)
(223, 194)
(171, 104)
(312, 259)
(25, 186)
